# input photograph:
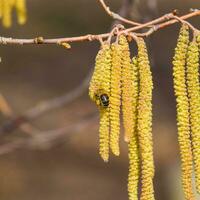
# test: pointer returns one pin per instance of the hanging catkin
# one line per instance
(100, 84)
(194, 101)
(127, 89)
(133, 177)
(21, 11)
(6, 8)
(115, 98)
(145, 122)
(180, 89)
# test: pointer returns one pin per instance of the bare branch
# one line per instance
(168, 17)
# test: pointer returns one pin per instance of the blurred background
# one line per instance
(58, 158)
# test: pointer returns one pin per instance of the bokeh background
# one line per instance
(44, 165)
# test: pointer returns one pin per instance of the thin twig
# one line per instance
(117, 16)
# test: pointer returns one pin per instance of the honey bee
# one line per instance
(102, 99)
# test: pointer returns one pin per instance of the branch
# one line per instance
(169, 17)
(117, 16)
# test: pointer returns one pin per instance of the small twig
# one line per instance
(117, 16)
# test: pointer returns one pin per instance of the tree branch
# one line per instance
(168, 18)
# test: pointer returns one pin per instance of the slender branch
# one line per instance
(116, 16)
(90, 37)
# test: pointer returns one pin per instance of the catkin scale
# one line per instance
(101, 82)
(127, 89)
(194, 101)
(145, 122)
(133, 149)
(183, 123)
(115, 98)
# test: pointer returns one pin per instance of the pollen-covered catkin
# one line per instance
(127, 89)
(145, 122)
(194, 101)
(115, 98)
(101, 82)
(180, 89)
(133, 177)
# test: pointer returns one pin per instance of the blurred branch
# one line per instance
(47, 139)
(45, 107)
(168, 18)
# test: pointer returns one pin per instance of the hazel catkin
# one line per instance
(21, 11)
(194, 102)
(182, 106)
(127, 89)
(115, 98)
(145, 122)
(133, 177)
(6, 8)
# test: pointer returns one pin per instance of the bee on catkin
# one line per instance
(99, 92)
(115, 98)
(144, 125)
(194, 102)
(180, 89)
(127, 89)
(133, 177)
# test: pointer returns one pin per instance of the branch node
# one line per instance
(39, 40)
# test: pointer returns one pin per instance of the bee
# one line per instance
(102, 99)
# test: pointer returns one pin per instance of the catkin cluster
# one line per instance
(120, 83)
(6, 10)
(187, 92)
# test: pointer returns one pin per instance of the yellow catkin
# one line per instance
(101, 82)
(133, 177)
(7, 13)
(6, 8)
(127, 88)
(180, 89)
(1, 8)
(194, 101)
(21, 11)
(115, 98)
(145, 122)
